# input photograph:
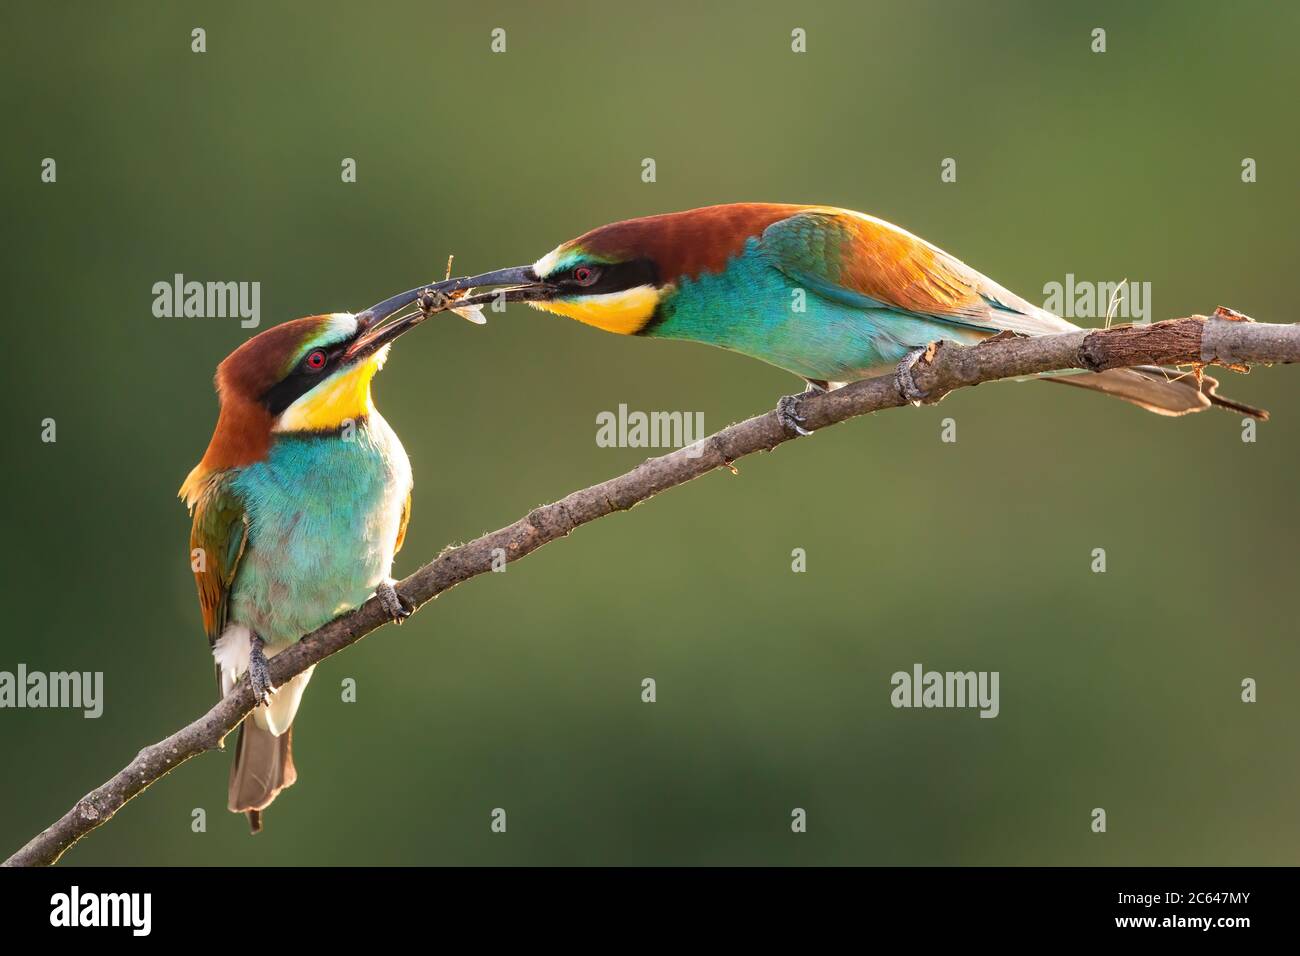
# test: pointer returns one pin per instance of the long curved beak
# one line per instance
(522, 277)
(522, 285)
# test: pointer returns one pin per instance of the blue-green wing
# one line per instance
(217, 541)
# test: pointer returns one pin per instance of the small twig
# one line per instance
(1227, 339)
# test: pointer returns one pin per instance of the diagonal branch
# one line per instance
(1227, 339)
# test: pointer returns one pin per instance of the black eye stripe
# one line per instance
(613, 277)
(301, 380)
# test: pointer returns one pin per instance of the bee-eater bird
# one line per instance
(829, 294)
(299, 504)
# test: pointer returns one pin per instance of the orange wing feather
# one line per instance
(838, 250)
(401, 525)
(896, 268)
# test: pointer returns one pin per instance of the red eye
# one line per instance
(316, 360)
(584, 275)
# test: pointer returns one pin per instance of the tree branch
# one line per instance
(1227, 339)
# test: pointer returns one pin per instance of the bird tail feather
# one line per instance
(1158, 390)
(263, 767)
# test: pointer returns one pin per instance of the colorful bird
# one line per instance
(299, 505)
(829, 294)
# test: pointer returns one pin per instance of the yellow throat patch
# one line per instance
(625, 313)
(344, 396)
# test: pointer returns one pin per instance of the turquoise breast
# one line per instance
(324, 512)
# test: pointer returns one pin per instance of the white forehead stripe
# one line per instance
(340, 327)
(546, 264)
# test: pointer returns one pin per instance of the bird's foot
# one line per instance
(259, 674)
(903, 379)
(392, 602)
(787, 409)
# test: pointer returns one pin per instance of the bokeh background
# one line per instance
(522, 690)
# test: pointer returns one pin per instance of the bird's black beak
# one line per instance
(521, 285)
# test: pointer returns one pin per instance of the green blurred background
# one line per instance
(522, 691)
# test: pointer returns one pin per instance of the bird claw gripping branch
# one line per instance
(393, 604)
(259, 673)
(903, 379)
(787, 410)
